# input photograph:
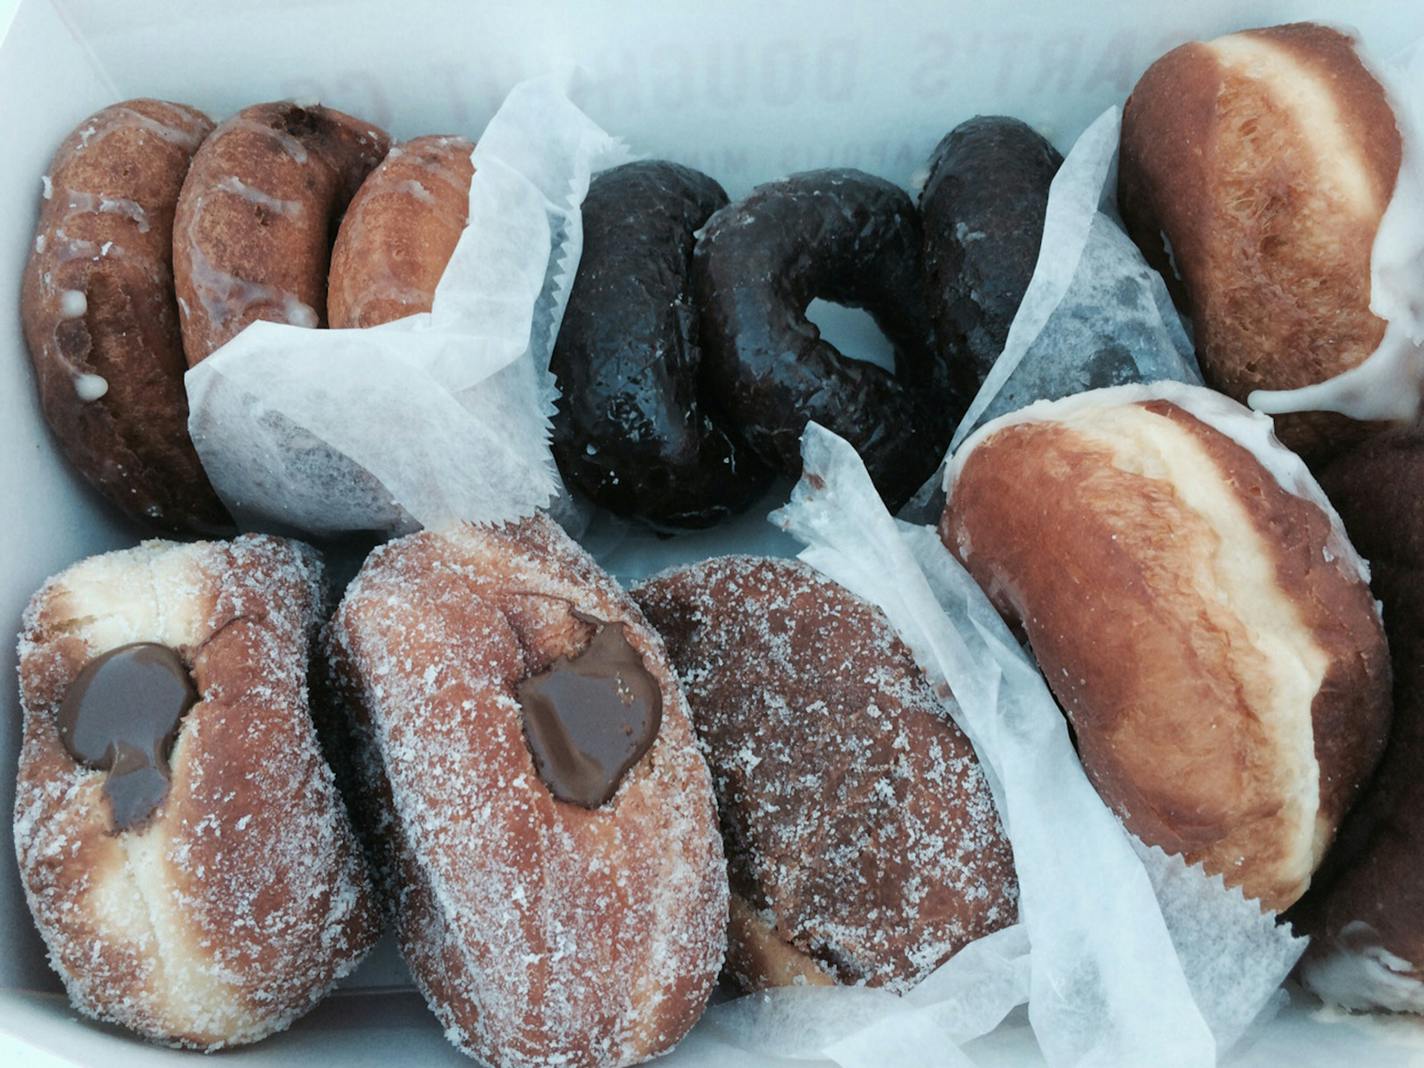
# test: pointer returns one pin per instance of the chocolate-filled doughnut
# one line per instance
(535, 797)
(862, 842)
(257, 215)
(182, 846)
(399, 232)
(1367, 924)
(1254, 171)
(100, 316)
(983, 206)
(634, 431)
(846, 237)
(1198, 611)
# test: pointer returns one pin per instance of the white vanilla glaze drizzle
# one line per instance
(289, 144)
(235, 185)
(82, 203)
(90, 387)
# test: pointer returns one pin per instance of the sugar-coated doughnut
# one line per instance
(850, 238)
(1198, 611)
(633, 430)
(100, 318)
(1253, 174)
(542, 810)
(257, 214)
(399, 231)
(1367, 949)
(862, 841)
(183, 849)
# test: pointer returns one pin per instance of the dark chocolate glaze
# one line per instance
(852, 239)
(121, 715)
(591, 717)
(983, 208)
(633, 431)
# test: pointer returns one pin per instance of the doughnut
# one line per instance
(561, 890)
(252, 236)
(983, 206)
(183, 849)
(862, 842)
(1253, 173)
(100, 319)
(1367, 949)
(633, 431)
(1198, 611)
(849, 238)
(399, 231)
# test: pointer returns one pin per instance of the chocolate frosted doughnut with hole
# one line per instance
(1253, 174)
(983, 206)
(257, 215)
(1367, 950)
(539, 803)
(862, 840)
(100, 317)
(399, 231)
(635, 430)
(183, 849)
(1198, 611)
(846, 237)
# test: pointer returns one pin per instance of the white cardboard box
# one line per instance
(744, 90)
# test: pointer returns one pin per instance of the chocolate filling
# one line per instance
(591, 717)
(121, 715)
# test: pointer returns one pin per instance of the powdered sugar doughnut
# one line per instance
(208, 894)
(862, 840)
(544, 813)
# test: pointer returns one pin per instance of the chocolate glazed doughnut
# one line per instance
(847, 237)
(257, 216)
(100, 317)
(633, 431)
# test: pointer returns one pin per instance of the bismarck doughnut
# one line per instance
(846, 237)
(1253, 174)
(399, 231)
(252, 237)
(862, 841)
(1367, 949)
(634, 430)
(545, 814)
(983, 206)
(182, 846)
(1197, 609)
(100, 318)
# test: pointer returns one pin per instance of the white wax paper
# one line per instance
(433, 418)
(1114, 977)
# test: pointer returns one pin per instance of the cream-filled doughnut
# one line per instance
(539, 805)
(183, 849)
(1198, 611)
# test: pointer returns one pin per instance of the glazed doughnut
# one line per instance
(252, 237)
(1253, 174)
(1367, 949)
(562, 891)
(181, 843)
(983, 206)
(1198, 611)
(632, 431)
(100, 318)
(823, 736)
(849, 238)
(399, 231)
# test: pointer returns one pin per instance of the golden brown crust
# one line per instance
(100, 318)
(860, 832)
(539, 931)
(255, 219)
(1171, 629)
(1266, 159)
(239, 904)
(1380, 853)
(399, 232)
